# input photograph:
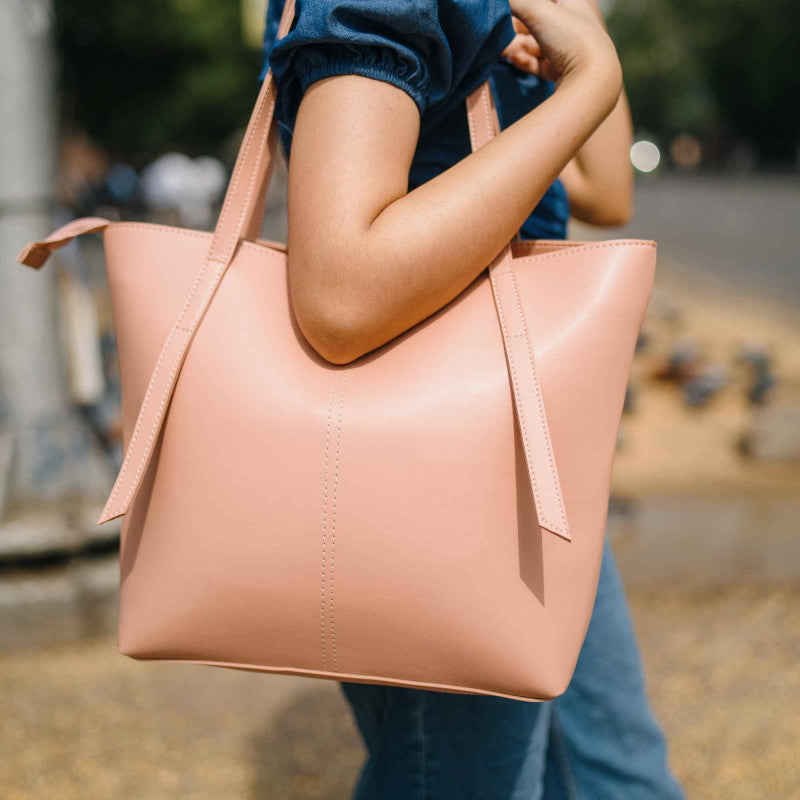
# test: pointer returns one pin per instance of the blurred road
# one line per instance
(744, 231)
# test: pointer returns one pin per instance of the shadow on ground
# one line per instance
(309, 750)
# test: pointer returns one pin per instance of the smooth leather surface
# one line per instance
(386, 521)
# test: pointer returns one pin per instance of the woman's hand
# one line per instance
(558, 39)
(598, 179)
(525, 54)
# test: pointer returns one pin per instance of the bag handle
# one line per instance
(534, 428)
(247, 186)
(241, 214)
(251, 174)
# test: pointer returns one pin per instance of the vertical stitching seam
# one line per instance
(472, 133)
(485, 97)
(331, 571)
(324, 537)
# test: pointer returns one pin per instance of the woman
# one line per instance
(382, 182)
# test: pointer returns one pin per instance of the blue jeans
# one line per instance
(597, 741)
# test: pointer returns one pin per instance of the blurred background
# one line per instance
(134, 110)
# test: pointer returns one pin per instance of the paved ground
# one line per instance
(83, 723)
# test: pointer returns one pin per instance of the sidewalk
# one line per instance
(84, 723)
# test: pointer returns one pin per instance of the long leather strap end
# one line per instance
(35, 254)
(106, 517)
(528, 400)
(520, 356)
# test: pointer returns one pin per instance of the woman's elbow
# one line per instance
(335, 330)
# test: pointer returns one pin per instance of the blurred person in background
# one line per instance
(403, 70)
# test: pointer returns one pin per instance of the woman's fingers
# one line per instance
(568, 36)
(529, 44)
(526, 62)
(524, 51)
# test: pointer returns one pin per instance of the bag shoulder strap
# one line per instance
(239, 218)
(520, 356)
(247, 185)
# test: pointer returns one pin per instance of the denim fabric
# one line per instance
(598, 741)
(435, 51)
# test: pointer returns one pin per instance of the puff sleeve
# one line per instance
(434, 50)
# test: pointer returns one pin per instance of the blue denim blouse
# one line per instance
(437, 51)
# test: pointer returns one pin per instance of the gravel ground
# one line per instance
(83, 722)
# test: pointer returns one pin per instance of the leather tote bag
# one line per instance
(431, 515)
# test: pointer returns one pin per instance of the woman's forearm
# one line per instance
(368, 260)
(599, 179)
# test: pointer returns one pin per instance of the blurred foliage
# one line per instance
(152, 75)
(724, 69)
(146, 76)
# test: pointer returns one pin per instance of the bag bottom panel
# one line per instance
(341, 676)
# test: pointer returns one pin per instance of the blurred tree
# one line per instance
(181, 76)
(664, 77)
(716, 68)
(749, 52)
(147, 76)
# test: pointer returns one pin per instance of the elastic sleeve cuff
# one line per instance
(313, 63)
(380, 68)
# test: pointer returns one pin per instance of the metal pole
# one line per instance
(48, 453)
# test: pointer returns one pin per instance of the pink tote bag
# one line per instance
(431, 515)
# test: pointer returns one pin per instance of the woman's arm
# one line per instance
(599, 179)
(368, 260)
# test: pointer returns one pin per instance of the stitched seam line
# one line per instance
(251, 136)
(487, 111)
(507, 262)
(156, 425)
(538, 393)
(324, 558)
(168, 389)
(533, 244)
(561, 245)
(151, 385)
(520, 410)
(562, 252)
(154, 228)
(331, 571)
(137, 427)
(472, 132)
